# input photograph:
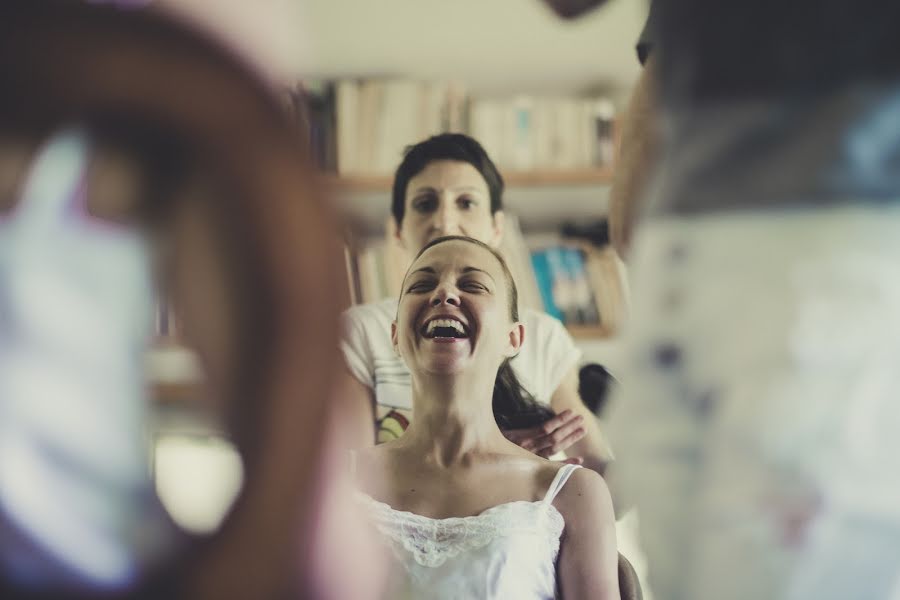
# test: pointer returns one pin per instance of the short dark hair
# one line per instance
(445, 146)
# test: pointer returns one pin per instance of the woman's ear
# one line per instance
(516, 338)
(499, 219)
(394, 342)
(395, 230)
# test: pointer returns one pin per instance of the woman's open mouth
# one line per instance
(444, 329)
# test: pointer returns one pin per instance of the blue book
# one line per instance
(585, 306)
(544, 277)
(563, 284)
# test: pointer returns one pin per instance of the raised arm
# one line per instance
(588, 557)
(574, 430)
(592, 447)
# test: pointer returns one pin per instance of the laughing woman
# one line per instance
(468, 513)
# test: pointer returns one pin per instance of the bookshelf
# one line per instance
(175, 392)
(555, 153)
(540, 198)
(601, 176)
(588, 332)
(543, 178)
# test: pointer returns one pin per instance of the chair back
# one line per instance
(629, 585)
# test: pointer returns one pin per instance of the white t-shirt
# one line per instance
(547, 354)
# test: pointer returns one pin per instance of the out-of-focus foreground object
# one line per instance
(571, 9)
(131, 145)
(637, 155)
(629, 585)
(757, 427)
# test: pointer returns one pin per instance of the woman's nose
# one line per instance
(446, 220)
(445, 295)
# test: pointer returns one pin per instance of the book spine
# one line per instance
(583, 297)
(519, 134)
(563, 287)
(544, 277)
(602, 115)
(347, 112)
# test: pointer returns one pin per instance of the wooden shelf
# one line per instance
(600, 176)
(581, 332)
(175, 392)
(382, 183)
(173, 371)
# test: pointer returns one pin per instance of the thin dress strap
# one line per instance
(559, 481)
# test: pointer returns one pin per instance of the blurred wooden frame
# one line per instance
(64, 62)
(572, 9)
(629, 584)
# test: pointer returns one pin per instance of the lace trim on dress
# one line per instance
(431, 542)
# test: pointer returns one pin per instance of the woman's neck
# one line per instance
(453, 419)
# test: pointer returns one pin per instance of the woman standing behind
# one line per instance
(468, 513)
(448, 185)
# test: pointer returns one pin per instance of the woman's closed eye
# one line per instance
(473, 286)
(423, 285)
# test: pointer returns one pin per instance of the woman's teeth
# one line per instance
(445, 328)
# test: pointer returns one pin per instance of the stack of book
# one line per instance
(362, 127)
(375, 267)
(527, 133)
(563, 282)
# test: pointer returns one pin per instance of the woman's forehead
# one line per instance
(449, 174)
(458, 254)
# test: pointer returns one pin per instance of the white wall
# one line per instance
(493, 45)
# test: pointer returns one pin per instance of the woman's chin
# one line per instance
(446, 365)
(444, 356)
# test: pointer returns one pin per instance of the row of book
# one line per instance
(576, 282)
(582, 284)
(527, 133)
(562, 279)
(375, 267)
(363, 126)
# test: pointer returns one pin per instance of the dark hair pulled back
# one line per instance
(514, 407)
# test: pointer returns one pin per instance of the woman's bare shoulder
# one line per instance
(585, 496)
(388, 451)
(372, 465)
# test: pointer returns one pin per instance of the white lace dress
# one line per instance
(508, 551)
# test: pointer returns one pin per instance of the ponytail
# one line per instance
(514, 407)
